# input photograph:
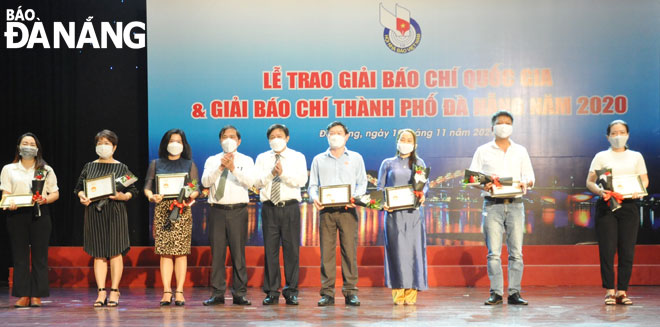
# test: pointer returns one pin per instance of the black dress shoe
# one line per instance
(494, 299)
(271, 300)
(352, 300)
(241, 300)
(179, 303)
(292, 300)
(326, 300)
(516, 299)
(214, 300)
(164, 303)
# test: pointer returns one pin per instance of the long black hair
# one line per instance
(40, 163)
(162, 149)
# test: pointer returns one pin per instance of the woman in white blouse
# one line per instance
(617, 230)
(29, 231)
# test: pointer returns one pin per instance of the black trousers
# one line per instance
(29, 237)
(346, 222)
(281, 224)
(617, 232)
(228, 227)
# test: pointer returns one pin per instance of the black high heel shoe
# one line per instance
(164, 303)
(114, 303)
(179, 303)
(99, 304)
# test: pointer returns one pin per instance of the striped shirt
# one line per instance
(105, 231)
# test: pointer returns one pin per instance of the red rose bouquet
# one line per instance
(38, 183)
(183, 200)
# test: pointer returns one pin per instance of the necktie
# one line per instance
(275, 187)
(220, 190)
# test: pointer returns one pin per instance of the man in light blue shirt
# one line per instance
(338, 166)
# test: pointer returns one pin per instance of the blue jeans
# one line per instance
(498, 219)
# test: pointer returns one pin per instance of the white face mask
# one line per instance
(618, 142)
(104, 151)
(175, 148)
(405, 148)
(336, 141)
(277, 144)
(229, 145)
(27, 152)
(503, 130)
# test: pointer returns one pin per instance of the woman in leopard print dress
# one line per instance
(172, 239)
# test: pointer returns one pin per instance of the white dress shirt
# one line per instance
(292, 178)
(16, 179)
(238, 181)
(515, 163)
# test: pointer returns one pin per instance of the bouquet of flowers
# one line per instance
(371, 200)
(121, 183)
(38, 183)
(444, 178)
(181, 202)
(419, 179)
(473, 178)
(604, 179)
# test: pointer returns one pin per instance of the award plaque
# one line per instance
(100, 187)
(627, 185)
(507, 191)
(400, 197)
(169, 185)
(335, 195)
(20, 200)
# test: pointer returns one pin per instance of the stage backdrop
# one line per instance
(564, 68)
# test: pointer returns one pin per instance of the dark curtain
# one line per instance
(65, 96)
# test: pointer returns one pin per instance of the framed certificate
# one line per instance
(507, 191)
(20, 200)
(169, 185)
(100, 187)
(335, 195)
(626, 185)
(400, 197)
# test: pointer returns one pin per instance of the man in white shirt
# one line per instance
(229, 176)
(281, 172)
(504, 158)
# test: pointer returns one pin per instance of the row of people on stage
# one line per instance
(279, 174)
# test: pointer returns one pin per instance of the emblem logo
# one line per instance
(402, 33)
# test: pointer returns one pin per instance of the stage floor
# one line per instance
(440, 306)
